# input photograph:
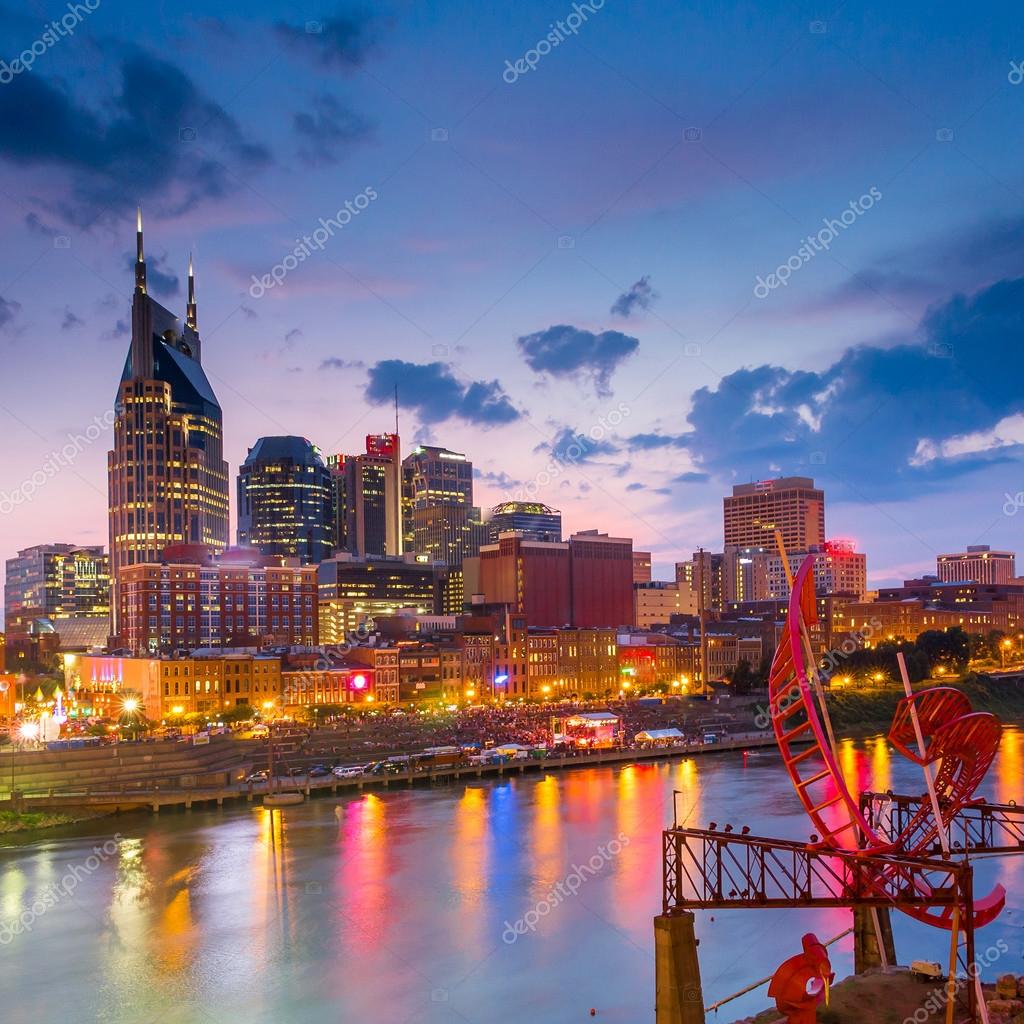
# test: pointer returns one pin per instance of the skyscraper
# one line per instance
(367, 498)
(532, 519)
(442, 522)
(167, 480)
(55, 581)
(791, 504)
(284, 500)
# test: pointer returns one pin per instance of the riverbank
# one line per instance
(854, 712)
(38, 821)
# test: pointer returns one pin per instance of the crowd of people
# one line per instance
(380, 733)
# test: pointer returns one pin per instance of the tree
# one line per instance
(743, 677)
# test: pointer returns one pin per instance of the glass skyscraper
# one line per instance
(284, 500)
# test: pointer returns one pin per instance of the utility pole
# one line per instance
(702, 612)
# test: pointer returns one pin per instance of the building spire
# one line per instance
(190, 308)
(140, 259)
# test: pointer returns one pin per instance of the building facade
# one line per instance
(194, 598)
(531, 519)
(167, 480)
(792, 505)
(367, 502)
(51, 581)
(285, 500)
(978, 564)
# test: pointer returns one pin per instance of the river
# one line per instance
(402, 906)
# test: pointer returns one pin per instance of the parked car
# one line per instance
(319, 771)
(297, 773)
(349, 771)
(261, 776)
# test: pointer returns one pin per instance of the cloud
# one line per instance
(437, 394)
(70, 320)
(502, 479)
(565, 351)
(639, 296)
(327, 131)
(574, 448)
(292, 336)
(919, 413)
(690, 478)
(158, 135)
(635, 486)
(650, 441)
(8, 310)
(249, 313)
(341, 42)
(334, 363)
(160, 279)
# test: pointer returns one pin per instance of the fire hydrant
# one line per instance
(802, 982)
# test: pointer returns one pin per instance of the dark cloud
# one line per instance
(341, 42)
(648, 442)
(640, 296)
(502, 479)
(70, 320)
(636, 486)
(249, 313)
(160, 278)
(565, 351)
(8, 311)
(437, 394)
(328, 130)
(158, 135)
(690, 478)
(334, 363)
(921, 412)
(574, 448)
(292, 336)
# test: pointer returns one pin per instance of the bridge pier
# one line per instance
(678, 995)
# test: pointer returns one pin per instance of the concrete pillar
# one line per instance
(678, 995)
(865, 940)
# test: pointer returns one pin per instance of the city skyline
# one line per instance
(621, 292)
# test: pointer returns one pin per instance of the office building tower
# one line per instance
(641, 567)
(285, 500)
(443, 525)
(978, 564)
(167, 478)
(51, 581)
(792, 505)
(531, 519)
(367, 498)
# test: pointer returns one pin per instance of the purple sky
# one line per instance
(543, 253)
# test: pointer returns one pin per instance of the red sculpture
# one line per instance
(958, 741)
(802, 982)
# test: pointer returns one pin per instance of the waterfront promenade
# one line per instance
(231, 786)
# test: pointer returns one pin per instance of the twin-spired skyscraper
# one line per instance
(167, 480)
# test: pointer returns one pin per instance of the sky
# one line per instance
(622, 255)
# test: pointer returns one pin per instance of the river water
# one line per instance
(402, 906)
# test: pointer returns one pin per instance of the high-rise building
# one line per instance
(285, 500)
(51, 581)
(707, 571)
(641, 567)
(978, 564)
(442, 522)
(792, 505)
(367, 498)
(586, 582)
(167, 478)
(655, 602)
(531, 519)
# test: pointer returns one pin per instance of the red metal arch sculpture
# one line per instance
(962, 743)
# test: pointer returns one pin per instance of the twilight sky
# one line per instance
(585, 246)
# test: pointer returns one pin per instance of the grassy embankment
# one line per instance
(856, 710)
(33, 821)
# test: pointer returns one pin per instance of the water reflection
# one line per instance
(391, 905)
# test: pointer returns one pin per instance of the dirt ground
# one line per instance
(875, 998)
